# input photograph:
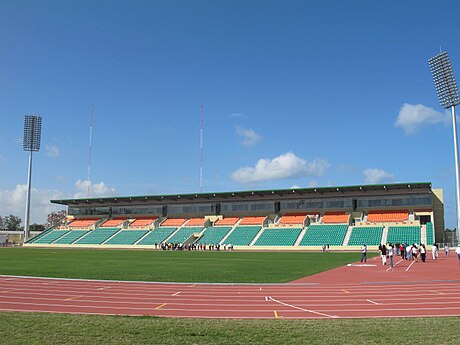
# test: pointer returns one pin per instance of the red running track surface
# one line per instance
(408, 290)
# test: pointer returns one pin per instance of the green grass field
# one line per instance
(25, 328)
(167, 266)
(41, 328)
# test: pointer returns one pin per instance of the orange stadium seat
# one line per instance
(196, 222)
(141, 222)
(82, 223)
(387, 216)
(112, 223)
(293, 218)
(335, 218)
(174, 222)
(227, 221)
(253, 220)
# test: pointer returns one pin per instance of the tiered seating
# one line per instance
(71, 236)
(429, 234)
(370, 235)
(127, 237)
(183, 234)
(196, 222)
(278, 237)
(242, 235)
(403, 234)
(157, 235)
(98, 236)
(213, 235)
(113, 223)
(387, 216)
(43, 233)
(253, 221)
(292, 219)
(335, 218)
(318, 235)
(51, 236)
(82, 223)
(173, 222)
(227, 221)
(142, 222)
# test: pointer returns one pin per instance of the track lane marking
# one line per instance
(302, 309)
(373, 302)
(346, 291)
(177, 293)
(160, 306)
(408, 268)
(276, 314)
(73, 298)
(437, 292)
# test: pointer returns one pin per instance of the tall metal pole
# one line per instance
(457, 173)
(90, 148)
(29, 184)
(201, 148)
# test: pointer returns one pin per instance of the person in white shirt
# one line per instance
(391, 252)
(434, 251)
(364, 253)
(457, 251)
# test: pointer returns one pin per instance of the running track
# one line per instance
(407, 290)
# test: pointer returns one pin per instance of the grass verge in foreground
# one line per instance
(34, 328)
(167, 266)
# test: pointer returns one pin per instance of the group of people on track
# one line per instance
(406, 251)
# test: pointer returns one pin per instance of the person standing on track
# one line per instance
(364, 253)
(446, 250)
(457, 251)
(391, 252)
(422, 252)
(383, 252)
(434, 251)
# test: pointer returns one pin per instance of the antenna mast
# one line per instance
(201, 148)
(90, 147)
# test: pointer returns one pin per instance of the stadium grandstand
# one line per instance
(288, 219)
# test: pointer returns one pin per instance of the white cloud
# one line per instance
(413, 117)
(95, 189)
(14, 201)
(52, 151)
(250, 137)
(236, 115)
(282, 167)
(376, 176)
(295, 187)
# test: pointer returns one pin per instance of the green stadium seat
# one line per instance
(156, 236)
(97, 236)
(429, 233)
(404, 234)
(71, 236)
(214, 235)
(278, 237)
(184, 233)
(51, 236)
(242, 235)
(320, 234)
(35, 238)
(369, 235)
(126, 237)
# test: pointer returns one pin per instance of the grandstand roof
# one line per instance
(252, 195)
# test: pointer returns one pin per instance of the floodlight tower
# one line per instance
(447, 90)
(31, 143)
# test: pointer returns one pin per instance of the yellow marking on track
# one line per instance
(345, 291)
(191, 285)
(437, 292)
(260, 289)
(72, 298)
(160, 306)
(276, 314)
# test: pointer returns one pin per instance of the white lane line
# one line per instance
(175, 294)
(302, 309)
(373, 302)
(389, 268)
(408, 268)
(266, 298)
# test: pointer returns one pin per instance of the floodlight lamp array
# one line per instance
(32, 132)
(444, 80)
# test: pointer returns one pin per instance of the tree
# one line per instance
(36, 227)
(56, 218)
(12, 223)
(2, 223)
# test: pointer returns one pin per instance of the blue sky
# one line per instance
(296, 93)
